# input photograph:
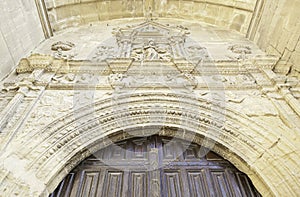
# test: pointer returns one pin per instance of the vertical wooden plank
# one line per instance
(173, 184)
(113, 184)
(197, 183)
(89, 182)
(138, 184)
(220, 182)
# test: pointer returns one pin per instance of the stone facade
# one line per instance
(109, 82)
(98, 81)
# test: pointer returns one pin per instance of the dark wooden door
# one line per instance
(155, 166)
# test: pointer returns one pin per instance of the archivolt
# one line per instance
(61, 146)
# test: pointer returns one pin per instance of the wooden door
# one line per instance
(155, 166)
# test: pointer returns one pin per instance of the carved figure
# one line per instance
(150, 52)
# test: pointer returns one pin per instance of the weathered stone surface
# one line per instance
(231, 14)
(278, 33)
(20, 32)
(206, 84)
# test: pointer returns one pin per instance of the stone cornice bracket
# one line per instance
(38, 61)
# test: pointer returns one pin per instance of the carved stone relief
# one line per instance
(235, 80)
(64, 78)
(60, 49)
(19, 114)
(27, 83)
(153, 41)
(4, 100)
(104, 52)
(51, 106)
(240, 50)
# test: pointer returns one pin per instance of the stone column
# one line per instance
(24, 88)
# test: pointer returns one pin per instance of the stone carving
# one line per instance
(60, 47)
(51, 106)
(35, 61)
(151, 41)
(104, 52)
(251, 106)
(140, 110)
(64, 78)
(115, 81)
(87, 78)
(197, 52)
(183, 82)
(23, 83)
(240, 49)
(235, 80)
(150, 52)
(19, 113)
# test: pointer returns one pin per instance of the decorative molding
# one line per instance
(38, 61)
(43, 14)
(64, 137)
(154, 78)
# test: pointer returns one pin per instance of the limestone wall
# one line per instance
(231, 14)
(20, 31)
(278, 33)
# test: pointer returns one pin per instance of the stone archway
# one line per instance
(53, 152)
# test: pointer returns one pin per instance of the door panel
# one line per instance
(139, 185)
(89, 182)
(197, 183)
(113, 184)
(155, 166)
(172, 186)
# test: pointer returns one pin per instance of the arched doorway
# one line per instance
(155, 166)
